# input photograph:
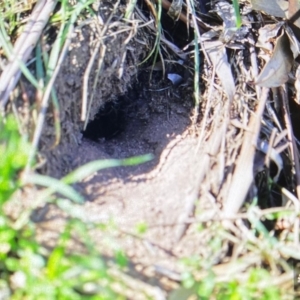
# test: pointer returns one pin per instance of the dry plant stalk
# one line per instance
(23, 47)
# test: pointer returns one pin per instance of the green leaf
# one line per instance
(12, 264)
(142, 227)
(54, 261)
(121, 258)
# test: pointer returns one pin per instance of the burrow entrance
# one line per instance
(144, 100)
(152, 92)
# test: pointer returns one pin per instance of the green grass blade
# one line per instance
(55, 186)
(129, 9)
(237, 13)
(94, 166)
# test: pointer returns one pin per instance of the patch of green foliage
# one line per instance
(13, 152)
(231, 281)
(234, 290)
(27, 270)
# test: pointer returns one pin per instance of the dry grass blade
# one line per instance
(102, 32)
(217, 54)
(293, 146)
(24, 46)
(243, 172)
(44, 104)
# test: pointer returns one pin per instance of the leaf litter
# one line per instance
(209, 173)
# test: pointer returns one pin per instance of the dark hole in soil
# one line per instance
(137, 105)
(108, 122)
(149, 117)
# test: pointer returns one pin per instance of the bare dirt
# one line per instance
(134, 114)
(131, 116)
(177, 213)
(156, 119)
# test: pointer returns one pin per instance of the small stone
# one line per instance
(70, 81)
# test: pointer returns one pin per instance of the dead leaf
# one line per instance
(276, 8)
(217, 53)
(275, 72)
(267, 34)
